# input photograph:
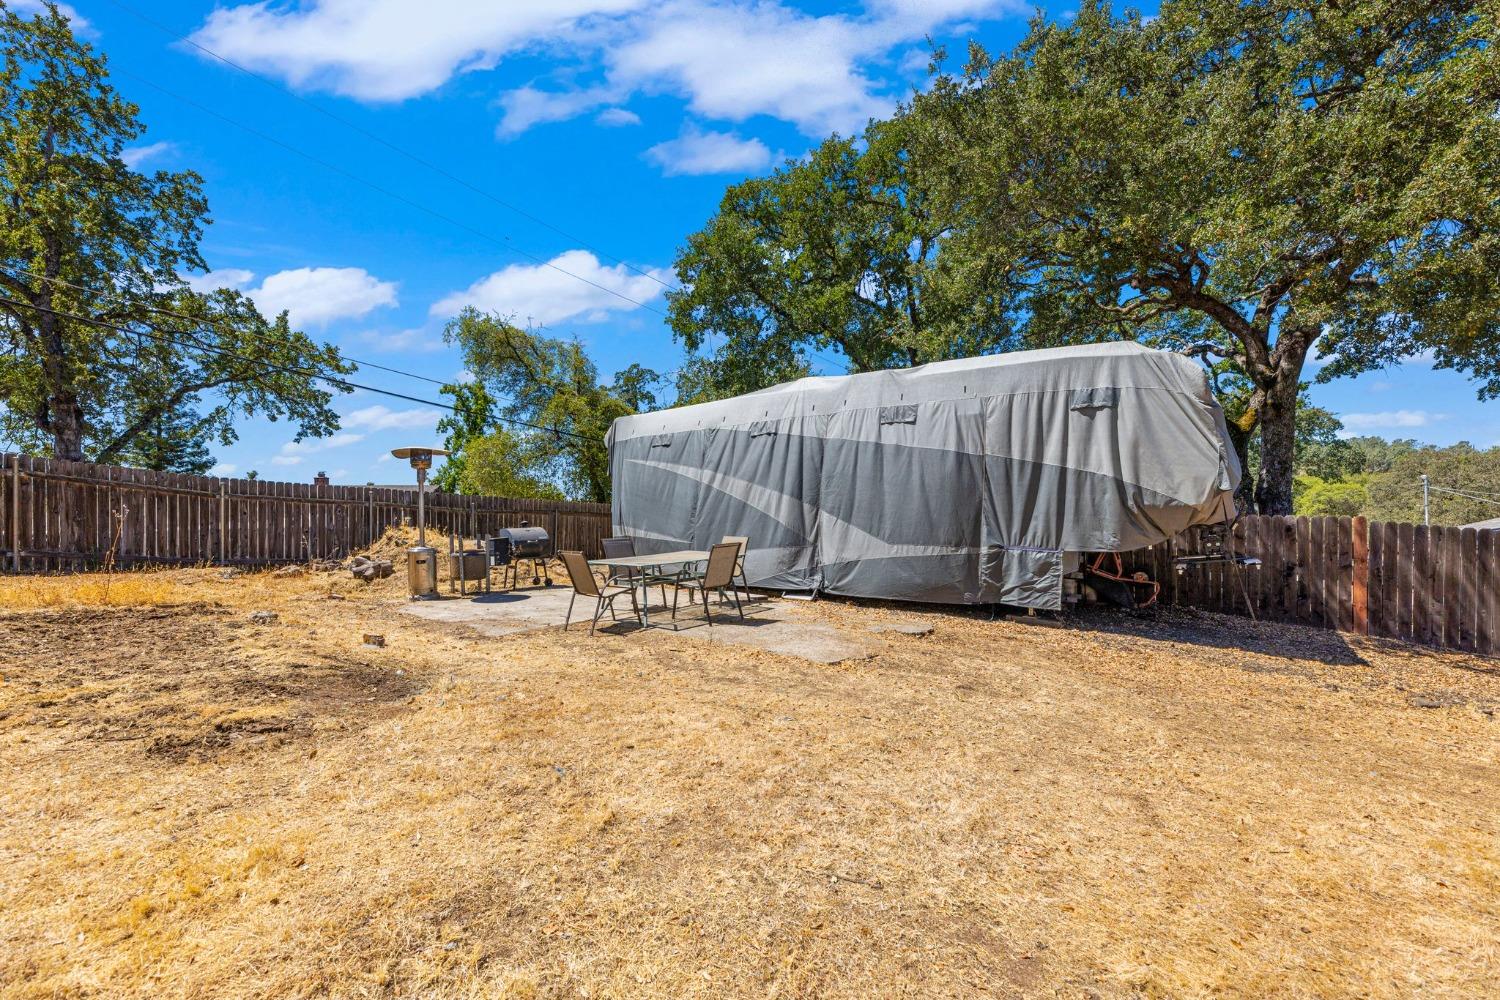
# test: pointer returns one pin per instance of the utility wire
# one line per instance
(503, 242)
(1466, 496)
(381, 140)
(1444, 489)
(159, 335)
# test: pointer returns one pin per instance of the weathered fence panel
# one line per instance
(1432, 585)
(58, 515)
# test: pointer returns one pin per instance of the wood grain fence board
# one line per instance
(1345, 529)
(1485, 584)
(1456, 564)
(1390, 592)
(1360, 580)
(1286, 547)
(1467, 598)
(1424, 609)
(1406, 534)
(1317, 570)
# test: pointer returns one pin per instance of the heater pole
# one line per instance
(421, 507)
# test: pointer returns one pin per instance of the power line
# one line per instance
(1466, 496)
(1487, 493)
(157, 334)
(503, 242)
(381, 140)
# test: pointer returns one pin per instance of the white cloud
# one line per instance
(137, 156)
(551, 293)
(388, 50)
(318, 295)
(224, 469)
(401, 341)
(729, 59)
(293, 452)
(313, 295)
(528, 106)
(76, 21)
(229, 277)
(383, 418)
(732, 61)
(699, 152)
(1389, 419)
(616, 117)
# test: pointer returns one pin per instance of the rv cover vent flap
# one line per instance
(1095, 399)
(906, 414)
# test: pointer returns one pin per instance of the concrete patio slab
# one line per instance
(776, 627)
(502, 612)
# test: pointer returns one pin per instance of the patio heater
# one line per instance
(421, 561)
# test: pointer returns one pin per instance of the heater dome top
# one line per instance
(421, 457)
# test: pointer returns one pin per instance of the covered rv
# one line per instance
(976, 481)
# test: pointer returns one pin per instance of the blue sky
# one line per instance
(617, 122)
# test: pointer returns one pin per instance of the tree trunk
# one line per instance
(67, 427)
(1244, 494)
(1278, 445)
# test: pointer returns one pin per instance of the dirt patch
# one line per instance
(1120, 807)
(179, 682)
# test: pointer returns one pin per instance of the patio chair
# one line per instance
(718, 576)
(614, 548)
(739, 563)
(584, 583)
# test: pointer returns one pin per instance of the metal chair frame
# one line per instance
(718, 576)
(740, 580)
(584, 583)
(624, 546)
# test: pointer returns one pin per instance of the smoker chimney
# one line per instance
(321, 479)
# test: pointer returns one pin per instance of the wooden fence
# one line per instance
(1431, 585)
(62, 515)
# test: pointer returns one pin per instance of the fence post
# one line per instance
(1359, 591)
(223, 524)
(15, 512)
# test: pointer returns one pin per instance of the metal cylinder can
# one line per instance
(421, 571)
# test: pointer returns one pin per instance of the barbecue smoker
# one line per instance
(511, 547)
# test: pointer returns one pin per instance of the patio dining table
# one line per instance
(647, 564)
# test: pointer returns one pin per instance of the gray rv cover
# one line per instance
(969, 482)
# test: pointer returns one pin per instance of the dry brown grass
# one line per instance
(196, 805)
(120, 590)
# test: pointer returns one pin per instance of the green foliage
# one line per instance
(839, 250)
(1396, 495)
(495, 465)
(83, 234)
(550, 384)
(472, 418)
(1255, 179)
(173, 442)
(731, 371)
(637, 387)
(1314, 496)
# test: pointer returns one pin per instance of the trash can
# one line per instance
(421, 572)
